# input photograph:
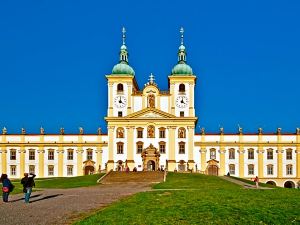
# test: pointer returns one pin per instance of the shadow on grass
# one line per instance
(45, 198)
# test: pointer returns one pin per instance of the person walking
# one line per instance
(7, 187)
(28, 184)
(256, 180)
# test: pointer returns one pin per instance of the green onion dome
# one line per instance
(182, 69)
(123, 68)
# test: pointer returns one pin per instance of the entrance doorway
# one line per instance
(89, 170)
(150, 165)
(213, 170)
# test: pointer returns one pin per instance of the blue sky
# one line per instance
(54, 56)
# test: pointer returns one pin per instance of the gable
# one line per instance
(150, 113)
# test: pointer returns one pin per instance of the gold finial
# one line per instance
(123, 35)
(181, 32)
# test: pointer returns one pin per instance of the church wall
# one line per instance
(164, 103)
(137, 103)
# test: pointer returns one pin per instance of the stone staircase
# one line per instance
(130, 177)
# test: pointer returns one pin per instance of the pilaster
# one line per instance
(171, 104)
(3, 153)
(41, 153)
(110, 162)
(60, 153)
(129, 96)
(222, 160)
(191, 97)
(171, 149)
(79, 153)
(130, 147)
(279, 163)
(298, 163)
(260, 163)
(110, 99)
(99, 152)
(241, 152)
(191, 147)
(203, 158)
(22, 152)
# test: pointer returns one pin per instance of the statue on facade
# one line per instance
(297, 130)
(202, 130)
(42, 131)
(23, 131)
(151, 101)
(4, 130)
(80, 130)
(99, 130)
(62, 130)
(221, 130)
(151, 132)
(260, 130)
(278, 130)
(181, 133)
(120, 133)
(240, 130)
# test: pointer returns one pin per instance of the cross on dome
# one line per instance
(124, 35)
(182, 32)
(151, 79)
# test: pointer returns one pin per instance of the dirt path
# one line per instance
(60, 206)
(241, 183)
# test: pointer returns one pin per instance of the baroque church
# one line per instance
(151, 129)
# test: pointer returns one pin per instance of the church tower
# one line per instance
(182, 84)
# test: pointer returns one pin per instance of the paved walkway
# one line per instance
(241, 183)
(61, 206)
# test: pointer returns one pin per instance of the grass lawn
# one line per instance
(60, 182)
(215, 201)
(253, 183)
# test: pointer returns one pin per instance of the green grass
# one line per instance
(215, 201)
(60, 182)
(253, 183)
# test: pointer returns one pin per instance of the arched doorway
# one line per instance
(271, 183)
(213, 170)
(289, 184)
(150, 165)
(181, 166)
(120, 166)
(89, 170)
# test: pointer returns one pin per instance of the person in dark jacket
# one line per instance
(7, 187)
(28, 184)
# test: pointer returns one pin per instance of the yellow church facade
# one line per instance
(151, 129)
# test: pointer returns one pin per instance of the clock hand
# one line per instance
(120, 101)
(182, 102)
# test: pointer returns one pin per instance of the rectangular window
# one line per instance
(182, 148)
(269, 154)
(289, 170)
(70, 170)
(70, 154)
(270, 170)
(250, 154)
(120, 114)
(162, 133)
(232, 169)
(139, 148)
(140, 133)
(250, 170)
(162, 148)
(50, 170)
(51, 155)
(120, 149)
(31, 155)
(32, 169)
(13, 170)
(181, 113)
(289, 155)
(13, 155)
(89, 155)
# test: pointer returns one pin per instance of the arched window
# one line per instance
(250, 169)
(289, 154)
(181, 132)
(232, 153)
(151, 131)
(251, 153)
(232, 169)
(120, 88)
(289, 169)
(270, 153)
(181, 88)
(270, 169)
(120, 132)
(212, 153)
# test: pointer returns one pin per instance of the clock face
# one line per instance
(182, 101)
(120, 101)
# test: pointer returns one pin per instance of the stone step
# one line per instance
(125, 177)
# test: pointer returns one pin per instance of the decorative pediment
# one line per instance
(150, 113)
(213, 162)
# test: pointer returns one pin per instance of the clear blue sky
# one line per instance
(54, 56)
